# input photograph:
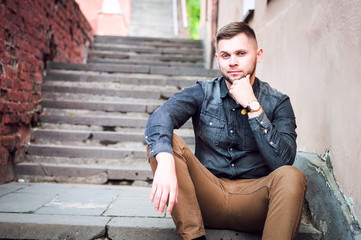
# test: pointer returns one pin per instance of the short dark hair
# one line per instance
(232, 29)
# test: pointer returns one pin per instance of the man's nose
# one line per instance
(233, 61)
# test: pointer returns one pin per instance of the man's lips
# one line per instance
(234, 72)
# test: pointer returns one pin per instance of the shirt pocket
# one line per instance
(249, 143)
(210, 128)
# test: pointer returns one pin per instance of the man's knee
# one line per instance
(291, 178)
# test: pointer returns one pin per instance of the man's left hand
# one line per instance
(242, 91)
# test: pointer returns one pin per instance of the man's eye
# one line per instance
(225, 55)
(241, 53)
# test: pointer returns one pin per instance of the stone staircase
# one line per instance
(91, 129)
(92, 125)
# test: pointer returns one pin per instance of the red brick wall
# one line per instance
(31, 33)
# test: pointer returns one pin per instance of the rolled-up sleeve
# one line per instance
(171, 115)
(276, 140)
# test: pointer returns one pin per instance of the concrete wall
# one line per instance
(31, 33)
(312, 52)
(107, 17)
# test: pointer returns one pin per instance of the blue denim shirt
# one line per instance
(228, 143)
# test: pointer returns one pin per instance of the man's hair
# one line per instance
(232, 29)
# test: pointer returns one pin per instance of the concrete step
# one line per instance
(109, 89)
(196, 46)
(99, 136)
(93, 59)
(115, 68)
(141, 49)
(96, 120)
(90, 118)
(122, 78)
(77, 101)
(86, 151)
(87, 211)
(147, 41)
(98, 174)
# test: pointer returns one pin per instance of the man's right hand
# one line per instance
(165, 185)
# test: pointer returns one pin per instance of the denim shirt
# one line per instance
(228, 143)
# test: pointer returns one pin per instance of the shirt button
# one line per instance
(233, 109)
(232, 164)
(231, 131)
(231, 149)
(146, 136)
(210, 124)
(261, 122)
(271, 143)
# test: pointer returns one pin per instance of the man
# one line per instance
(245, 136)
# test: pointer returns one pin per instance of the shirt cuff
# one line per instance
(260, 122)
(154, 149)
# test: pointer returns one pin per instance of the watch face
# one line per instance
(254, 105)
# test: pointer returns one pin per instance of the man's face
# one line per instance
(237, 57)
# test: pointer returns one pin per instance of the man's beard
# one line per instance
(228, 79)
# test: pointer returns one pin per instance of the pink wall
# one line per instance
(104, 22)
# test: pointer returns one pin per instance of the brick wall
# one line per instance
(31, 33)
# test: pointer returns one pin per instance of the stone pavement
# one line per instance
(79, 211)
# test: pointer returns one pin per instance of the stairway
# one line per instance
(92, 125)
(91, 131)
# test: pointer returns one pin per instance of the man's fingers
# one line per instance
(152, 193)
(157, 198)
(173, 199)
(163, 200)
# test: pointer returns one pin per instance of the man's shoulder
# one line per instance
(266, 89)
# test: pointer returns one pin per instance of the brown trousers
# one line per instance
(272, 203)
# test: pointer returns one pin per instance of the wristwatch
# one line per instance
(253, 106)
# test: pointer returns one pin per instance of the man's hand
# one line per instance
(165, 185)
(242, 91)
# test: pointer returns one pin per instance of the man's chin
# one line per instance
(232, 79)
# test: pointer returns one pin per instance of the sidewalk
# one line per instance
(74, 211)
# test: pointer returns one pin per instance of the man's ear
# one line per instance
(259, 55)
(216, 55)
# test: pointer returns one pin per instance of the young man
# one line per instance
(245, 136)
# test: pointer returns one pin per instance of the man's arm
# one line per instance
(159, 136)
(277, 140)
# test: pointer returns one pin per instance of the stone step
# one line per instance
(86, 151)
(100, 136)
(109, 89)
(116, 53)
(97, 119)
(94, 105)
(114, 68)
(147, 41)
(152, 63)
(148, 44)
(141, 49)
(99, 173)
(134, 79)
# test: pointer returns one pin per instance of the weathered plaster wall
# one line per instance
(312, 52)
(31, 33)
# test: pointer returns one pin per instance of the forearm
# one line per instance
(277, 146)
(172, 114)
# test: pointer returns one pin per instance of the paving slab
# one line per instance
(80, 211)
(33, 226)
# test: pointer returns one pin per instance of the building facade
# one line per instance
(312, 52)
